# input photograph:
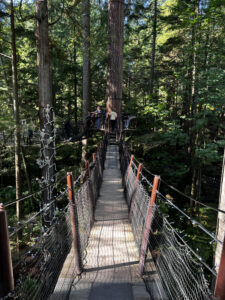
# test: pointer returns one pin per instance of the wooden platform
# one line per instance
(111, 264)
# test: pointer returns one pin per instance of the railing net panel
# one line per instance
(181, 273)
(41, 266)
(84, 216)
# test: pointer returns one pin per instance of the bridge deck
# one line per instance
(111, 266)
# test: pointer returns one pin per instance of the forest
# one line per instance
(54, 65)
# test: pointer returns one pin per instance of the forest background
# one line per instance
(173, 80)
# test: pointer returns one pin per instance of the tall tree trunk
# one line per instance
(75, 82)
(86, 58)
(46, 113)
(195, 135)
(115, 63)
(221, 217)
(16, 117)
(152, 71)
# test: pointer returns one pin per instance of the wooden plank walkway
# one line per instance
(111, 264)
(111, 268)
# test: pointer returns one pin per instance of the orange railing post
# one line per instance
(130, 166)
(148, 223)
(94, 158)
(134, 191)
(6, 270)
(74, 223)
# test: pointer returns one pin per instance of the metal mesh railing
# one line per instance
(139, 213)
(180, 272)
(38, 269)
(97, 168)
(50, 255)
(84, 216)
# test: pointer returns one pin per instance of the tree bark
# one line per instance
(75, 83)
(221, 217)
(16, 117)
(45, 103)
(152, 71)
(115, 63)
(86, 59)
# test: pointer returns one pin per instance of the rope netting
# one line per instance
(84, 216)
(97, 168)
(50, 254)
(180, 271)
(37, 270)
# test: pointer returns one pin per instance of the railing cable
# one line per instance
(178, 191)
(194, 222)
(34, 193)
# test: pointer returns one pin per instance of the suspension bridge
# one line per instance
(111, 241)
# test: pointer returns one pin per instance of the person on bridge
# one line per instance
(98, 114)
(113, 117)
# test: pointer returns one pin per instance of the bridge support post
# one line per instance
(90, 192)
(220, 286)
(6, 270)
(94, 158)
(134, 192)
(148, 222)
(74, 223)
(130, 166)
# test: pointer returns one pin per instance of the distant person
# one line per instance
(126, 119)
(98, 114)
(113, 117)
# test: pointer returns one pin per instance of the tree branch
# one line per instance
(4, 14)
(4, 55)
(23, 19)
(56, 21)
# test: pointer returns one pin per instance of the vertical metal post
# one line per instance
(74, 223)
(94, 158)
(130, 166)
(220, 286)
(148, 223)
(135, 189)
(87, 168)
(6, 270)
(90, 192)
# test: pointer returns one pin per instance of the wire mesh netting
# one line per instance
(139, 212)
(40, 267)
(97, 168)
(95, 180)
(181, 272)
(50, 256)
(84, 216)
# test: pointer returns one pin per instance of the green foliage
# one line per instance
(209, 154)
